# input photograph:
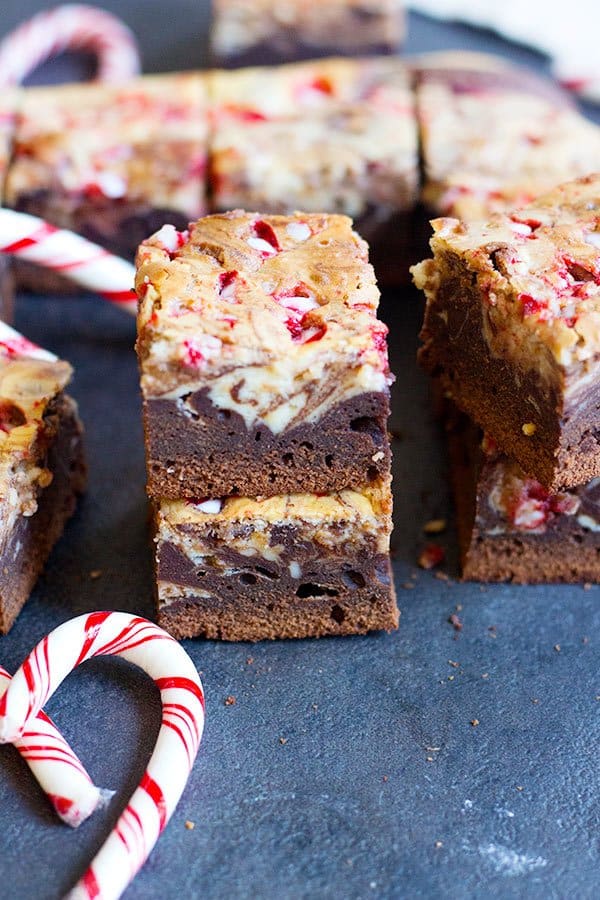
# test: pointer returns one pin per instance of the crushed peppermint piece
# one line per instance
(262, 246)
(227, 285)
(265, 239)
(170, 239)
(111, 185)
(198, 350)
(210, 506)
(593, 238)
(298, 231)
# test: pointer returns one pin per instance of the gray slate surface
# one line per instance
(349, 806)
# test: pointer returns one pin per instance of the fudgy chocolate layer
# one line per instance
(264, 601)
(565, 552)
(564, 450)
(211, 453)
(32, 538)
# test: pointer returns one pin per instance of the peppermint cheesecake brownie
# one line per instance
(336, 135)
(112, 162)
(512, 329)
(293, 566)
(42, 469)
(263, 364)
(247, 32)
(495, 136)
(510, 527)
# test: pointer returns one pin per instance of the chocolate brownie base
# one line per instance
(116, 224)
(30, 542)
(207, 452)
(333, 596)
(494, 550)
(564, 449)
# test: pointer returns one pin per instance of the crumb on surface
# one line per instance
(230, 700)
(435, 526)
(190, 825)
(528, 429)
(474, 722)
(431, 555)
(95, 573)
(455, 621)
(282, 740)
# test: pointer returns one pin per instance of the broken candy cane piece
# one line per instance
(57, 769)
(89, 265)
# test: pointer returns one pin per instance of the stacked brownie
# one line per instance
(42, 469)
(512, 335)
(266, 395)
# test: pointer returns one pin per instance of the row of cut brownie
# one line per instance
(341, 135)
(266, 394)
(512, 337)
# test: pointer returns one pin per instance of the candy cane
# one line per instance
(13, 345)
(89, 265)
(152, 804)
(56, 767)
(70, 27)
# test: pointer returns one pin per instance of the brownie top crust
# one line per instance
(538, 273)
(352, 121)
(29, 386)
(495, 137)
(143, 139)
(274, 315)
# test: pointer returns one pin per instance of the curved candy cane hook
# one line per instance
(152, 804)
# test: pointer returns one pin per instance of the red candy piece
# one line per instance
(431, 555)
(530, 306)
(264, 231)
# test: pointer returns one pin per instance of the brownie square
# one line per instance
(336, 135)
(263, 365)
(42, 471)
(251, 32)
(112, 162)
(510, 527)
(495, 136)
(293, 566)
(512, 329)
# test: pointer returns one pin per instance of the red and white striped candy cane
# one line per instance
(13, 345)
(152, 804)
(94, 268)
(57, 769)
(71, 26)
